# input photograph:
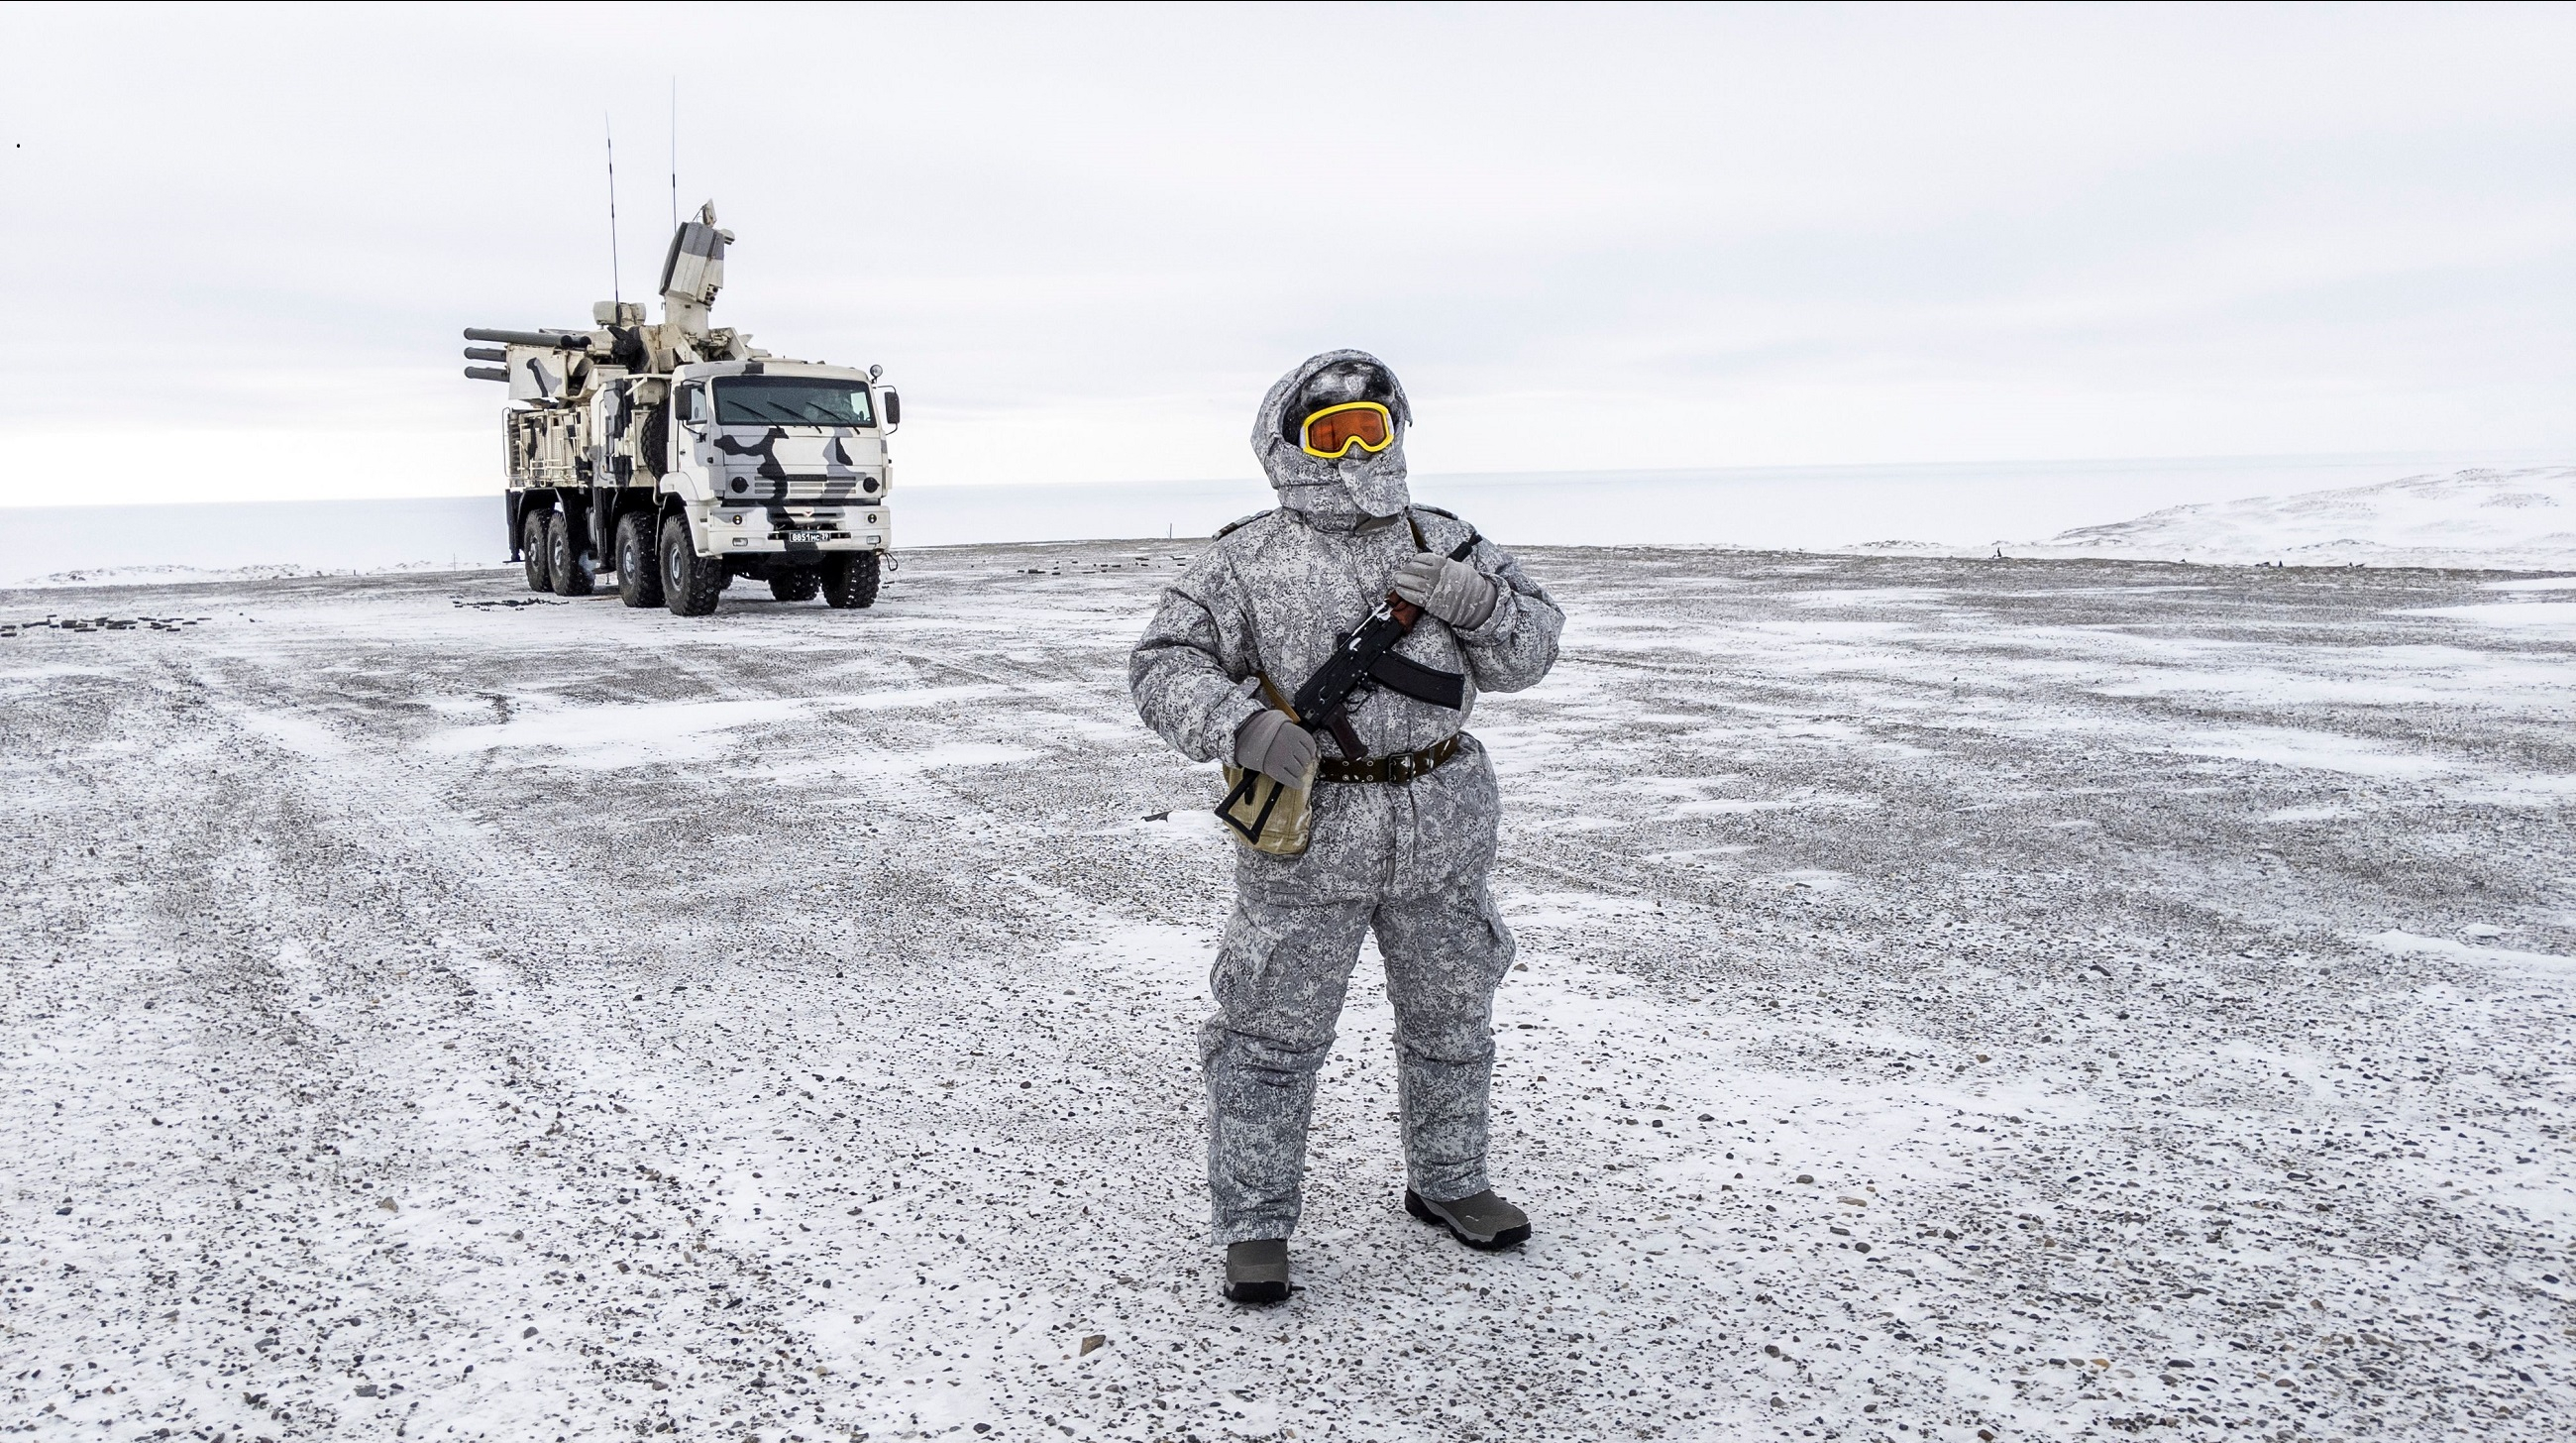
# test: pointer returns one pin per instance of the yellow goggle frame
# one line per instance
(1345, 426)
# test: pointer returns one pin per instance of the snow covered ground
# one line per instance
(2520, 517)
(2041, 999)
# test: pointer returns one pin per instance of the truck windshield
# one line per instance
(791, 401)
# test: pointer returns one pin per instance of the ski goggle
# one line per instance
(1331, 432)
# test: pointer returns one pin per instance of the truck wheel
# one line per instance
(563, 558)
(689, 581)
(639, 570)
(532, 546)
(794, 585)
(850, 580)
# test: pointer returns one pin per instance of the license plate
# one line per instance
(809, 535)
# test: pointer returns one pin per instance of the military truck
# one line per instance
(679, 456)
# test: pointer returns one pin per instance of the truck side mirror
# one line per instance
(892, 404)
(693, 406)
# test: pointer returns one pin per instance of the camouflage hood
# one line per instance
(1335, 494)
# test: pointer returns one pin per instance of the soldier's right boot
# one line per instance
(1256, 1272)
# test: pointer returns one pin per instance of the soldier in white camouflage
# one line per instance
(1405, 807)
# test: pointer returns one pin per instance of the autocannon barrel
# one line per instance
(556, 339)
(486, 353)
(486, 373)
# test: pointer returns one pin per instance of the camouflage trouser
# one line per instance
(1285, 965)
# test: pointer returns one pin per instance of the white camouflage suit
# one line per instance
(1407, 860)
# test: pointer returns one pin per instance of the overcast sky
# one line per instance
(241, 242)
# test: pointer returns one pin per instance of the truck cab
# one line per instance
(779, 461)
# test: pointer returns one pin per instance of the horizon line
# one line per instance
(2526, 456)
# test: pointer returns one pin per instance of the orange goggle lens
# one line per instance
(1334, 430)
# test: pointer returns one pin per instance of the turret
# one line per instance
(555, 367)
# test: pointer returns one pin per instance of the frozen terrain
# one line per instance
(2522, 517)
(2035, 999)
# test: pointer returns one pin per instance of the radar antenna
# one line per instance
(616, 286)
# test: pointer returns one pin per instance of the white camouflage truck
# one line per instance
(680, 456)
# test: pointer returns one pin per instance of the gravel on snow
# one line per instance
(1960, 1000)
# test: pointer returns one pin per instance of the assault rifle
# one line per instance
(1360, 659)
(1368, 655)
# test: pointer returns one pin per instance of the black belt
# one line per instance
(1390, 769)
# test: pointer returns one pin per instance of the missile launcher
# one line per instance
(678, 457)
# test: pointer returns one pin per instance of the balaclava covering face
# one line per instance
(1338, 493)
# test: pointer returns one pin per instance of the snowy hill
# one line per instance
(2517, 518)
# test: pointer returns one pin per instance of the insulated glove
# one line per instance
(1277, 748)
(1454, 591)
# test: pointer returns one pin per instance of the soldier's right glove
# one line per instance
(1278, 748)
(1455, 592)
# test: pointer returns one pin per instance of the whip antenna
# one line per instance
(616, 287)
(675, 152)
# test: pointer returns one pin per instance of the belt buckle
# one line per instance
(1400, 769)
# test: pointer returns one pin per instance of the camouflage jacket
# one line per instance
(1275, 593)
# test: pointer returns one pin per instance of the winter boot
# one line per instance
(1256, 1272)
(1480, 1220)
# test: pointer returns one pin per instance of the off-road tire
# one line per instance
(850, 579)
(563, 558)
(798, 585)
(639, 569)
(690, 582)
(532, 550)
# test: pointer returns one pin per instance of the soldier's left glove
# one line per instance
(1276, 747)
(1454, 591)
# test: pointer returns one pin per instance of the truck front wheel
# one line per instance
(690, 582)
(850, 579)
(532, 547)
(563, 557)
(639, 570)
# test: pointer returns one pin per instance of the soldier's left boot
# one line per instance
(1480, 1220)
(1256, 1272)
